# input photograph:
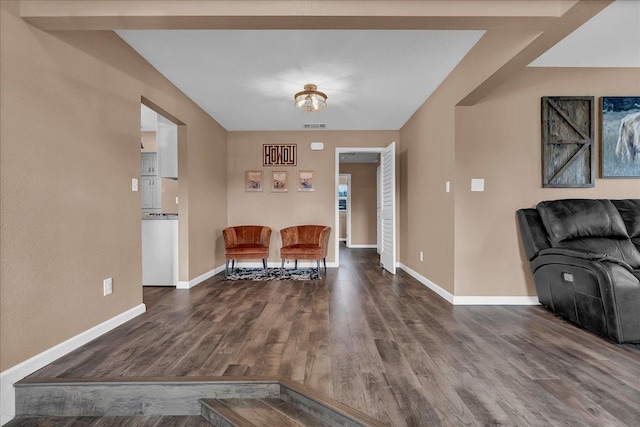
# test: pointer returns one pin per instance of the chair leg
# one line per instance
(296, 265)
(282, 266)
(233, 265)
(318, 265)
(264, 264)
(324, 260)
(226, 267)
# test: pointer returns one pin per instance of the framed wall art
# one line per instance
(279, 182)
(305, 180)
(567, 142)
(253, 180)
(620, 137)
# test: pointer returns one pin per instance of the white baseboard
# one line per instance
(428, 283)
(470, 300)
(12, 375)
(495, 300)
(193, 282)
(363, 247)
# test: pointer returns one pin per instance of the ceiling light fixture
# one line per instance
(310, 99)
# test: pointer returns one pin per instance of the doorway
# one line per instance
(370, 217)
(159, 198)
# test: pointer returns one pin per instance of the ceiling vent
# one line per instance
(314, 126)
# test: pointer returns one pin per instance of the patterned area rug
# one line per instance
(273, 274)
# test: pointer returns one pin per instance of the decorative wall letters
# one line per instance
(279, 154)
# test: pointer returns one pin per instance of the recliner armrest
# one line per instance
(591, 256)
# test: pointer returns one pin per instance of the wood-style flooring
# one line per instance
(382, 344)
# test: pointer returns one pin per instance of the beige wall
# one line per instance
(499, 140)
(280, 210)
(70, 114)
(427, 160)
(363, 202)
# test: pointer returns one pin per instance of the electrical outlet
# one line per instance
(421, 256)
(447, 187)
(177, 200)
(477, 184)
(107, 286)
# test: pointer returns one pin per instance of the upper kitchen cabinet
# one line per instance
(149, 164)
(167, 137)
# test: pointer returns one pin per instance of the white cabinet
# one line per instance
(160, 252)
(151, 190)
(167, 137)
(149, 164)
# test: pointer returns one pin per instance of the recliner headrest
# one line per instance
(575, 218)
(630, 212)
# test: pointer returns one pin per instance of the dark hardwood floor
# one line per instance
(383, 344)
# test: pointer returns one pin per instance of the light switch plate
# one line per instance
(447, 187)
(107, 286)
(134, 184)
(477, 184)
(176, 200)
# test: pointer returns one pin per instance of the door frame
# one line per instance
(183, 205)
(348, 220)
(342, 150)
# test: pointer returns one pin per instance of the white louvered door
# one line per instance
(388, 208)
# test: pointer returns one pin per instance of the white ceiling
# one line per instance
(375, 80)
(609, 39)
(246, 79)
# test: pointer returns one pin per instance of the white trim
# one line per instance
(495, 300)
(342, 240)
(183, 284)
(12, 375)
(428, 283)
(469, 300)
(362, 246)
(388, 258)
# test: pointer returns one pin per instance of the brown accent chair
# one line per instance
(246, 242)
(305, 242)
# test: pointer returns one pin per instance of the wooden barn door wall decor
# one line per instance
(567, 141)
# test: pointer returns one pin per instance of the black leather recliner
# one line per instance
(585, 260)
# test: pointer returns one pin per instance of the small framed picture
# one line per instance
(279, 182)
(253, 180)
(305, 180)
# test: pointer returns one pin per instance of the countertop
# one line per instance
(160, 216)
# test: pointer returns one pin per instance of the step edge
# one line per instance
(222, 403)
(147, 380)
(329, 403)
(227, 414)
